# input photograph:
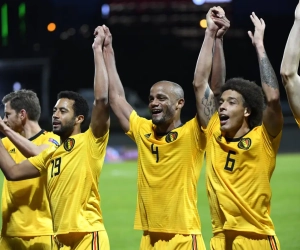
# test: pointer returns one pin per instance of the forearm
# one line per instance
(116, 89)
(204, 62)
(291, 56)
(26, 147)
(268, 77)
(218, 68)
(101, 78)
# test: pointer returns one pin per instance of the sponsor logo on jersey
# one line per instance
(172, 136)
(148, 135)
(69, 144)
(54, 141)
(244, 143)
(12, 151)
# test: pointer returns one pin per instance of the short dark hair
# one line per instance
(80, 105)
(24, 99)
(252, 95)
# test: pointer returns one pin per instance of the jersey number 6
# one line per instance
(229, 161)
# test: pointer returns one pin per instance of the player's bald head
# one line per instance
(171, 88)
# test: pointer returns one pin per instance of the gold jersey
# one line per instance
(238, 173)
(73, 171)
(25, 206)
(168, 171)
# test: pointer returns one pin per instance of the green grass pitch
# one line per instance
(118, 201)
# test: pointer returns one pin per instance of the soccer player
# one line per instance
(170, 155)
(242, 142)
(25, 138)
(73, 168)
(289, 67)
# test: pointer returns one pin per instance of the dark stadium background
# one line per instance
(153, 40)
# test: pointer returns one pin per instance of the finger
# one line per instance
(250, 35)
(255, 16)
(263, 22)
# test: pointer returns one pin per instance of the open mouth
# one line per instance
(223, 118)
(156, 111)
(55, 124)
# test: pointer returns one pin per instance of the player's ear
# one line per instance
(23, 114)
(180, 103)
(247, 112)
(79, 119)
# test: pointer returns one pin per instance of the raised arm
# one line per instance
(13, 171)
(117, 99)
(272, 117)
(205, 102)
(218, 75)
(290, 65)
(26, 147)
(100, 115)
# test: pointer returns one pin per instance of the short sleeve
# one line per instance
(97, 145)
(134, 122)
(213, 123)
(271, 143)
(39, 161)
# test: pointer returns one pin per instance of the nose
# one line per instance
(222, 106)
(4, 119)
(55, 114)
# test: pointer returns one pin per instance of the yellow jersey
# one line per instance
(25, 206)
(168, 171)
(73, 171)
(238, 173)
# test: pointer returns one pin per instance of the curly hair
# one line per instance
(253, 98)
(24, 99)
(80, 105)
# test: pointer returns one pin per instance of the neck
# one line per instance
(30, 129)
(166, 128)
(74, 132)
(237, 134)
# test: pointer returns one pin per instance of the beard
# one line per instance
(65, 130)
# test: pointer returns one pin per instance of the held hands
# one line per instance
(99, 37)
(108, 37)
(258, 37)
(217, 21)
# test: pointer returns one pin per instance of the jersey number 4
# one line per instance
(55, 166)
(230, 161)
(155, 152)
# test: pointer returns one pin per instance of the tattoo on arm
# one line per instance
(267, 73)
(209, 104)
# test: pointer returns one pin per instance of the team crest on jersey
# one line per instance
(219, 138)
(12, 151)
(54, 141)
(172, 136)
(148, 135)
(69, 144)
(244, 143)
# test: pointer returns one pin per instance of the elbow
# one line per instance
(101, 101)
(274, 99)
(286, 75)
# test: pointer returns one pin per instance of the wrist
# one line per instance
(260, 46)
(97, 48)
(108, 49)
(210, 33)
